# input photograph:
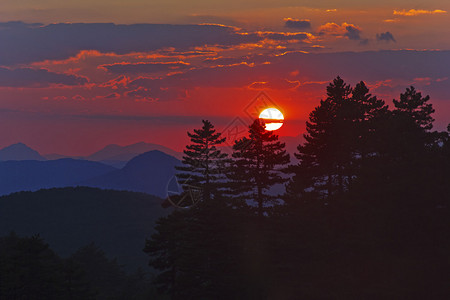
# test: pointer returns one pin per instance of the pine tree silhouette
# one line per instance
(202, 172)
(257, 164)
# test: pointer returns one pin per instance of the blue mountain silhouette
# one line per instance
(125, 153)
(31, 175)
(149, 172)
(19, 151)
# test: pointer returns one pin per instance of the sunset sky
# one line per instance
(78, 75)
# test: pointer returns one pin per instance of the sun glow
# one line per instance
(272, 117)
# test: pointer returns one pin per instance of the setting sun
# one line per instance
(272, 117)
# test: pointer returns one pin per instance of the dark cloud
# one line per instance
(353, 33)
(135, 68)
(26, 77)
(297, 24)
(284, 36)
(25, 43)
(369, 65)
(386, 36)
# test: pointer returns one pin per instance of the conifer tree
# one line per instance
(203, 164)
(415, 106)
(340, 134)
(324, 153)
(257, 165)
(370, 111)
(188, 243)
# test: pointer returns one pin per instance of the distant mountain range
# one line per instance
(31, 175)
(114, 155)
(19, 151)
(125, 153)
(149, 172)
(113, 167)
(69, 218)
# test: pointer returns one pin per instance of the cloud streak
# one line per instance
(292, 70)
(60, 41)
(149, 67)
(36, 78)
(417, 12)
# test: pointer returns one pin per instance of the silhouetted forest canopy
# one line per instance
(364, 216)
(29, 269)
(94, 251)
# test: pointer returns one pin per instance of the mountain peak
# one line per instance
(150, 158)
(149, 172)
(19, 151)
(125, 153)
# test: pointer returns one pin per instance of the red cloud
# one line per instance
(274, 84)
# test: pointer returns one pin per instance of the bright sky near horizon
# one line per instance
(70, 83)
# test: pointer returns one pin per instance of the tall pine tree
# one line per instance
(257, 166)
(340, 135)
(324, 155)
(416, 107)
(203, 164)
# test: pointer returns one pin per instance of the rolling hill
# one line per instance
(69, 218)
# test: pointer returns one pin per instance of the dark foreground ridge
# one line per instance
(68, 218)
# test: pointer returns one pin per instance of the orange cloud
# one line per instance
(416, 12)
(350, 31)
(335, 29)
(391, 20)
(332, 28)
